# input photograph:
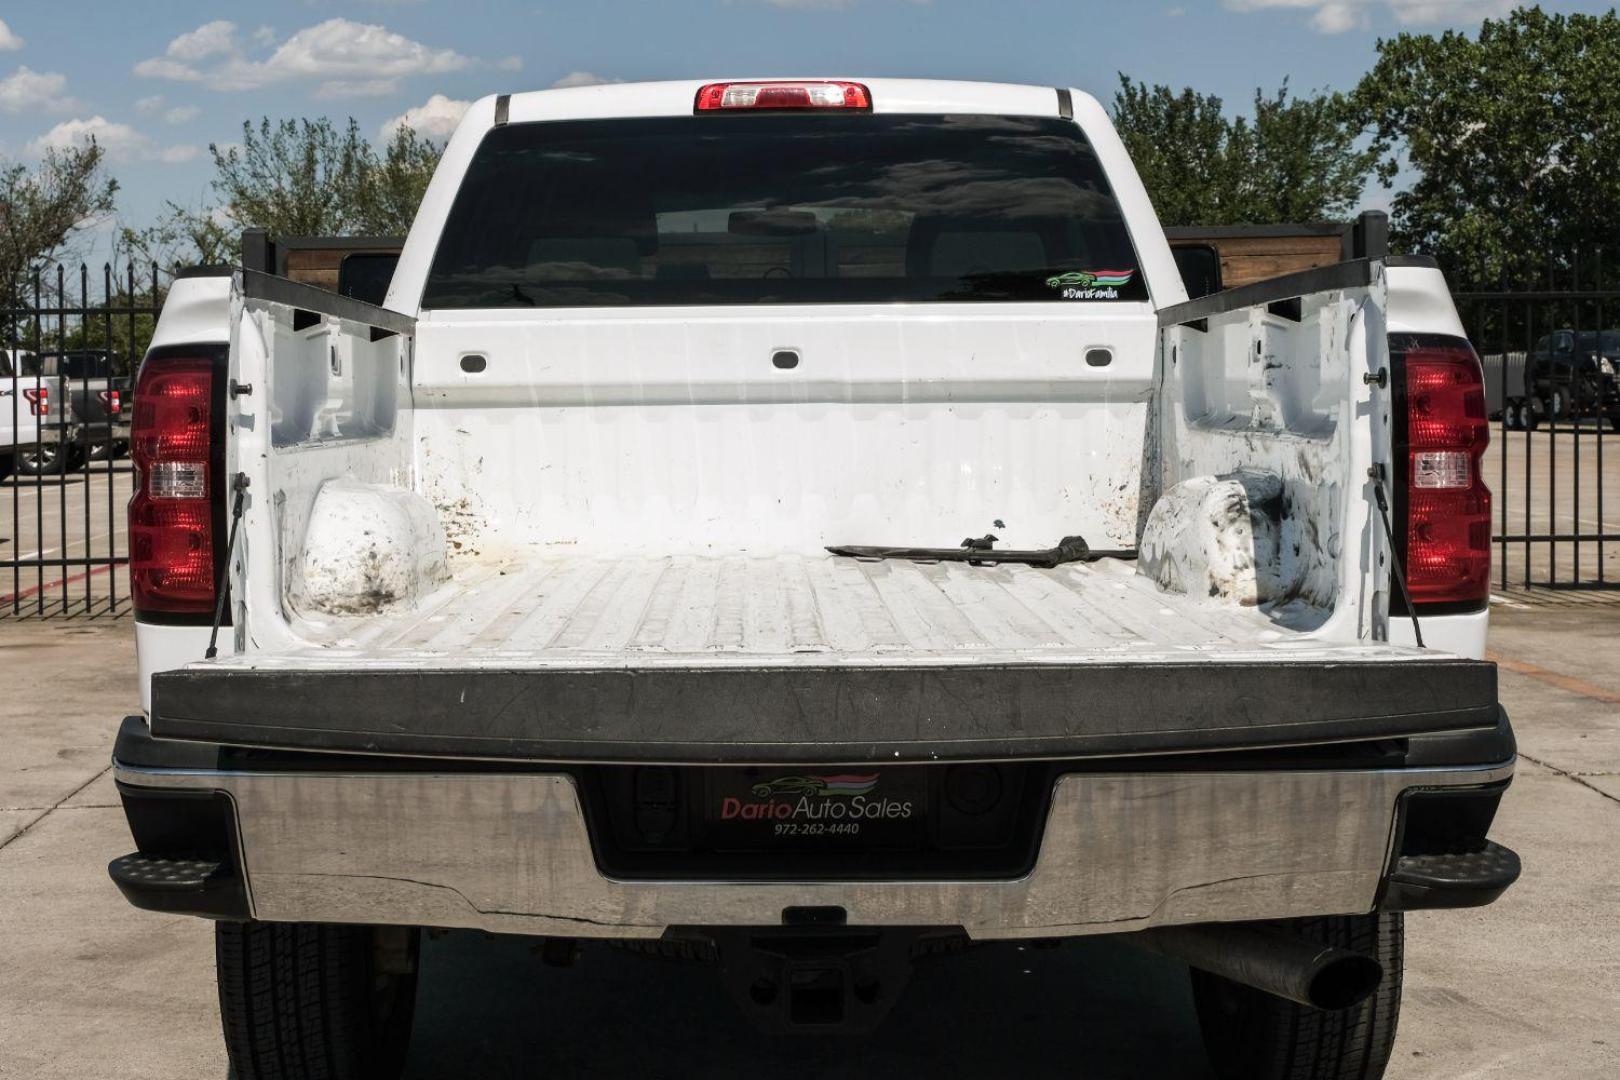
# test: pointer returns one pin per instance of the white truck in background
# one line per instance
(798, 526)
(24, 403)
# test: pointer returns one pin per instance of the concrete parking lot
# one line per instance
(92, 988)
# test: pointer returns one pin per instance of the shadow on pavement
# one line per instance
(1090, 1010)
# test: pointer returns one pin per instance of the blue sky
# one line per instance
(156, 82)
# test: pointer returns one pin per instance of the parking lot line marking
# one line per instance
(30, 591)
(1553, 678)
(76, 542)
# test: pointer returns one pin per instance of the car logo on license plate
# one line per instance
(844, 784)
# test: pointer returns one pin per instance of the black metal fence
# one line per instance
(1551, 352)
(1551, 349)
(69, 344)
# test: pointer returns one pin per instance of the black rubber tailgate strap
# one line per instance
(1376, 473)
(239, 486)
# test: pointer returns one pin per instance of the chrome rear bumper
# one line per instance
(511, 853)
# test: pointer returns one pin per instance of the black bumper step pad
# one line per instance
(1424, 882)
(180, 885)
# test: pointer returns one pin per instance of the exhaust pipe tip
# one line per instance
(1344, 981)
(1271, 960)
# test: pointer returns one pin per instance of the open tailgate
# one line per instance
(817, 659)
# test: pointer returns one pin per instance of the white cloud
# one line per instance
(344, 48)
(9, 42)
(217, 38)
(161, 67)
(26, 90)
(434, 119)
(121, 142)
(1419, 12)
(1337, 16)
(343, 57)
(148, 106)
(580, 78)
(180, 114)
(509, 63)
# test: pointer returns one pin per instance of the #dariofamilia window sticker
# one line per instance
(1091, 284)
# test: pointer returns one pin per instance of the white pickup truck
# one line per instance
(799, 527)
(24, 408)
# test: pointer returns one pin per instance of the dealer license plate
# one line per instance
(758, 809)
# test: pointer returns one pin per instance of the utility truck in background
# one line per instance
(804, 527)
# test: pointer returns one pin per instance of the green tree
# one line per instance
(1507, 141)
(1181, 144)
(293, 177)
(43, 209)
(297, 178)
(1297, 159)
(392, 187)
(183, 236)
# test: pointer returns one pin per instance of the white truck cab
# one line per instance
(799, 524)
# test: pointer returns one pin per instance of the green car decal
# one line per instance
(1091, 279)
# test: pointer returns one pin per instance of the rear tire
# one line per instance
(316, 1000)
(43, 459)
(1251, 1035)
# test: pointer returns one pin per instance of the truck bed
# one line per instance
(568, 610)
(814, 658)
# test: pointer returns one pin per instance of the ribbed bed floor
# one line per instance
(812, 610)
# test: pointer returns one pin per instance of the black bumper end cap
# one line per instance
(1432, 882)
(180, 886)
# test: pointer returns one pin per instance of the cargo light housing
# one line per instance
(790, 94)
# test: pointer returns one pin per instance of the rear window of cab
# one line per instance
(783, 209)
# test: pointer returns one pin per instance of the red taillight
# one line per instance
(171, 517)
(1448, 538)
(111, 401)
(39, 400)
(797, 94)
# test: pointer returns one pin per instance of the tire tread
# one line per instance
(1273, 1039)
(295, 1000)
